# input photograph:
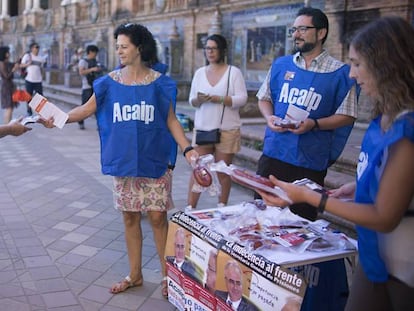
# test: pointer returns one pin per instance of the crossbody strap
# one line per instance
(227, 93)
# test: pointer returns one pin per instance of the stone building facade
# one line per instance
(257, 30)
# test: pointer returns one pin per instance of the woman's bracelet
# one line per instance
(322, 203)
(187, 149)
(222, 100)
(316, 126)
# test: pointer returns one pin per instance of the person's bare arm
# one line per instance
(84, 71)
(177, 132)
(82, 112)
(77, 114)
(396, 191)
(14, 128)
(266, 109)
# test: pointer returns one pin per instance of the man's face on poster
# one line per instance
(179, 247)
(211, 272)
(233, 280)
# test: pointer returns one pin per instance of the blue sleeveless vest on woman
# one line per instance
(369, 171)
(132, 122)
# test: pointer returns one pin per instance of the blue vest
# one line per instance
(132, 123)
(320, 94)
(368, 180)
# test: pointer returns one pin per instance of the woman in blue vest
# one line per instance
(382, 62)
(135, 111)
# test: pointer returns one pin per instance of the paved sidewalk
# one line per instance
(61, 240)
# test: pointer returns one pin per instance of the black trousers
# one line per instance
(289, 173)
(32, 88)
(86, 94)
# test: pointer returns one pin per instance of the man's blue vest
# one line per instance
(320, 94)
(132, 122)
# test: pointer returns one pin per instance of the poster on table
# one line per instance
(195, 258)
(176, 294)
(264, 285)
(197, 297)
(224, 275)
(178, 264)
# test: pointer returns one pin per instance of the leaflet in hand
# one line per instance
(249, 179)
(29, 120)
(293, 118)
(47, 110)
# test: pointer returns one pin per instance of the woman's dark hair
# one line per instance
(386, 46)
(33, 44)
(142, 38)
(319, 19)
(221, 45)
(3, 51)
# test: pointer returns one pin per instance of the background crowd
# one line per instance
(381, 198)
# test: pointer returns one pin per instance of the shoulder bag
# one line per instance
(212, 136)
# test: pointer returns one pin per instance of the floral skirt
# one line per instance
(143, 194)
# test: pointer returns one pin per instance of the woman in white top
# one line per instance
(33, 63)
(218, 90)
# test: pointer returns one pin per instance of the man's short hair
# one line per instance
(319, 19)
(92, 48)
(233, 265)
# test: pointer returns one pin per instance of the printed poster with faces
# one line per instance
(245, 285)
(176, 294)
(223, 275)
(190, 270)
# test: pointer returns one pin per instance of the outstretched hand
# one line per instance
(294, 192)
(346, 191)
(192, 157)
(17, 129)
(47, 122)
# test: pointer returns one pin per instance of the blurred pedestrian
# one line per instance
(33, 63)
(75, 59)
(7, 70)
(89, 70)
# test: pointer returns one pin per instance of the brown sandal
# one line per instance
(164, 287)
(124, 285)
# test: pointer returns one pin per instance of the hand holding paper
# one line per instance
(294, 116)
(48, 110)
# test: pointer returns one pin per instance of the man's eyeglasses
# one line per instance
(180, 246)
(211, 48)
(233, 282)
(302, 29)
(36, 46)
